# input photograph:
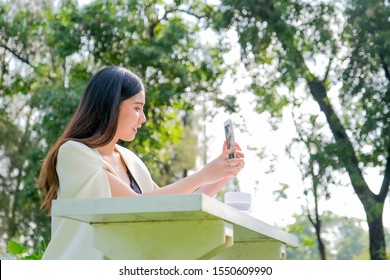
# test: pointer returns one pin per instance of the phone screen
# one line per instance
(228, 125)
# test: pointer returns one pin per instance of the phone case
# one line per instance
(229, 135)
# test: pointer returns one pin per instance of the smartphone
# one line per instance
(229, 135)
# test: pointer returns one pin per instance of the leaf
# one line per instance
(15, 248)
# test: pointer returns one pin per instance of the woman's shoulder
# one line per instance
(76, 148)
(73, 144)
(74, 155)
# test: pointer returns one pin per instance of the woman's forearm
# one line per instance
(186, 185)
(213, 189)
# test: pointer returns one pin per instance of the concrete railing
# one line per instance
(185, 227)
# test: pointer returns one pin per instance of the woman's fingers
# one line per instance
(236, 162)
(239, 154)
(224, 146)
(237, 146)
(225, 153)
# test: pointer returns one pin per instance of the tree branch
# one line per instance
(166, 13)
(386, 177)
(385, 66)
(347, 153)
(193, 14)
(17, 55)
(327, 70)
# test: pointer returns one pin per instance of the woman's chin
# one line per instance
(128, 138)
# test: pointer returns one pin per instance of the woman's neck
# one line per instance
(107, 150)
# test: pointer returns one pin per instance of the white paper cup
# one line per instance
(239, 200)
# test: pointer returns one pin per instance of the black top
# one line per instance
(133, 183)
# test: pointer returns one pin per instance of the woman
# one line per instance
(86, 161)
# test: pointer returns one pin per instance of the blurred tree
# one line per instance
(21, 47)
(366, 91)
(344, 238)
(160, 41)
(314, 47)
(49, 51)
(318, 171)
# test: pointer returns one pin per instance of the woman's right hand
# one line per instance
(222, 167)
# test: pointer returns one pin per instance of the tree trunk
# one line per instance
(375, 228)
(321, 248)
(317, 223)
(373, 205)
(317, 226)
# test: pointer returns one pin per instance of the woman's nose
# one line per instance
(143, 117)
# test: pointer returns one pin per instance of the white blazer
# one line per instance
(82, 175)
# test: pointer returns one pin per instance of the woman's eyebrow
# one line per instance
(139, 102)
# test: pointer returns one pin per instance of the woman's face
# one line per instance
(131, 117)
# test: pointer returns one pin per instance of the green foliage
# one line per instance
(49, 51)
(20, 252)
(283, 46)
(344, 238)
(16, 248)
(366, 78)
(275, 38)
(307, 240)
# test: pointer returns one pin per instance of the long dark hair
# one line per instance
(94, 123)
